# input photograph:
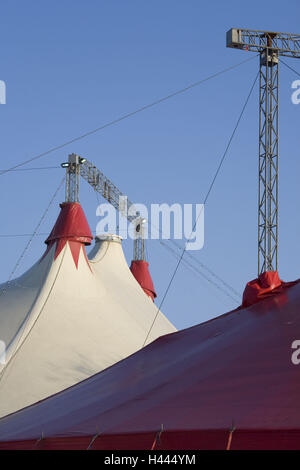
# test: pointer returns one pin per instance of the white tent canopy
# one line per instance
(69, 316)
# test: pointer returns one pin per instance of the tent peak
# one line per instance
(140, 270)
(71, 226)
(266, 284)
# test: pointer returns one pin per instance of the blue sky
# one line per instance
(72, 66)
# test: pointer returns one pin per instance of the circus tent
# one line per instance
(228, 383)
(70, 316)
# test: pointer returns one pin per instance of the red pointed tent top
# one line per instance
(228, 383)
(140, 270)
(71, 226)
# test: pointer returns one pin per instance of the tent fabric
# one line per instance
(193, 440)
(71, 224)
(140, 270)
(228, 383)
(71, 315)
(72, 227)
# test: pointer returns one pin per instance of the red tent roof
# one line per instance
(226, 383)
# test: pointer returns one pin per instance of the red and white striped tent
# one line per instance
(72, 315)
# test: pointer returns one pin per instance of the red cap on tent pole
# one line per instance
(261, 287)
(71, 226)
(140, 270)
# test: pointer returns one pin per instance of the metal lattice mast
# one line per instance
(269, 45)
(78, 166)
(139, 240)
(72, 178)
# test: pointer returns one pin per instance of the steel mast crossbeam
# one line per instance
(284, 44)
(269, 45)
